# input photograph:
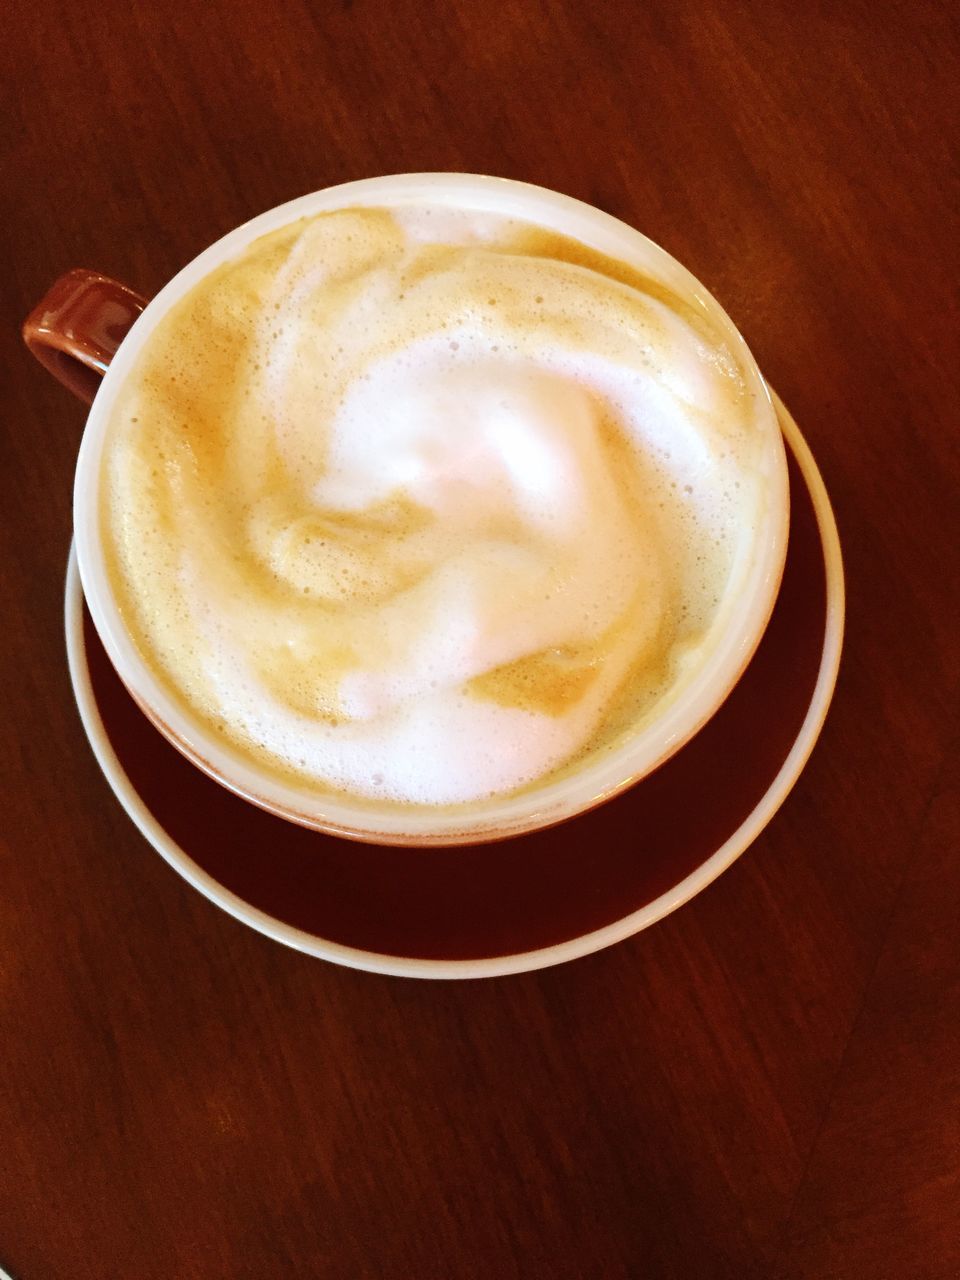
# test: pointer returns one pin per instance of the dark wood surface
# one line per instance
(768, 1082)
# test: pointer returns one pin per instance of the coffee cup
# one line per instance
(426, 509)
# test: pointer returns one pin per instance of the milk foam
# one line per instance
(432, 506)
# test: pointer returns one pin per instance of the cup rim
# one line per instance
(502, 817)
(518, 962)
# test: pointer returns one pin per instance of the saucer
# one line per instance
(529, 902)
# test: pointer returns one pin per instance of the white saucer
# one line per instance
(427, 943)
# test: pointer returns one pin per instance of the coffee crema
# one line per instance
(425, 506)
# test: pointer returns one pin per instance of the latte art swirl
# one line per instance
(436, 505)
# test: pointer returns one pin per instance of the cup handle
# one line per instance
(75, 329)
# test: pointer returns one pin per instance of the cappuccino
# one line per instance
(423, 506)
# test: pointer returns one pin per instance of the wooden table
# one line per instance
(768, 1082)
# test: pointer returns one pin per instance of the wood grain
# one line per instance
(766, 1084)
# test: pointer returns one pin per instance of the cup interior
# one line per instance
(748, 601)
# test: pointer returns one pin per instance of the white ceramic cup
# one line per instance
(743, 612)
